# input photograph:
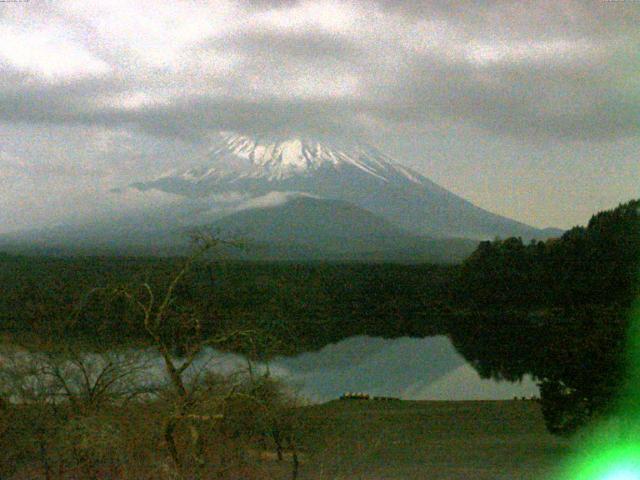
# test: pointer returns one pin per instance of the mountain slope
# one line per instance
(347, 171)
(328, 225)
(333, 229)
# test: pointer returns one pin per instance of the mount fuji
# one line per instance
(294, 198)
(353, 172)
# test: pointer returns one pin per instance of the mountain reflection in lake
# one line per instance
(409, 368)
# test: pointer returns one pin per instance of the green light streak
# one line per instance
(611, 450)
(617, 462)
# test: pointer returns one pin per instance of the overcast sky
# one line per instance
(528, 109)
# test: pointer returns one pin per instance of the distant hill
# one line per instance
(334, 229)
(327, 225)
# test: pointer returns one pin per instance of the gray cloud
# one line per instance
(553, 69)
(195, 118)
(307, 47)
(525, 74)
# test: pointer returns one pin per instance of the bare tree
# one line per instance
(158, 318)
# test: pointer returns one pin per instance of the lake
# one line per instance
(408, 368)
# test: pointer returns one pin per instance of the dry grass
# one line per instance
(429, 440)
(347, 440)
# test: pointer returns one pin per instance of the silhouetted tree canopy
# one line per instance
(558, 310)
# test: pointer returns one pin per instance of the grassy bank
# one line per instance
(341, 440)
(429, 440)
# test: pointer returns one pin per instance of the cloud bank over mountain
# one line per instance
(456, 90)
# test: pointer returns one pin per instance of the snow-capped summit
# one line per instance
(254, 165)
(236, 157)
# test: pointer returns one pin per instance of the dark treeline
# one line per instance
(559, 310)
(299, 306)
